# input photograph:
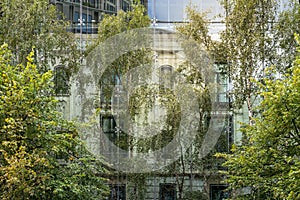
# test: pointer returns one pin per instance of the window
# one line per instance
(117, 192)
(165, 77)
(61, 81)
(112, 1)
(108, 86)
(125, 6)
(59, 8)
(114, 133)
(226, 138)
(92, 3)
(61, 106)
(108, 124)
(111, 8)
(217, 192)
(222, 88)
(86, 22)
(167, 191)
(76, 17)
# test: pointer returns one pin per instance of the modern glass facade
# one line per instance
(91, 10)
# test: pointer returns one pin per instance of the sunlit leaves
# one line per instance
(40, 152)
(37, 25)
(269, 162)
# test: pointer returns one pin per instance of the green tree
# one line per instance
(257, 35)
(28, 23)
(254, 39)
(198, 30)
(285, 29)
(145, 96)
(248, 38)
(110, 26)
(41, 154)
(268, 165)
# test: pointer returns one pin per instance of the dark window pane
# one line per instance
(217, 192)
(117, 192)
(167, 191)
(61, 81)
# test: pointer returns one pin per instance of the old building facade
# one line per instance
(82, 98)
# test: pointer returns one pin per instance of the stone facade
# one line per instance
(84, 98)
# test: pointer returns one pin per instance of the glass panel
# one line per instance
(76, 17)
(167, 191)
(117, 192)
(108, 124)
(217, 192)
(223, 97)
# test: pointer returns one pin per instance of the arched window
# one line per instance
(61, 81)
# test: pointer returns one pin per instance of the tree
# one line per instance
(285, 29)
(28, 23)
(198, 30)
(115, 24)
(248, 38)
(145, 96)
(115, 74)
(268, 165)
(41, 154)
(257, 35)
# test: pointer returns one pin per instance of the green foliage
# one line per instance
(195, 195)
(28, 23)
(198, 30)
(141, 102)
(41, 154)
(193, 69)
(269, 162)
(110, 26)
(248, 37)
(137, 188)
(257, 36)
(287, 26)
(123, 21)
